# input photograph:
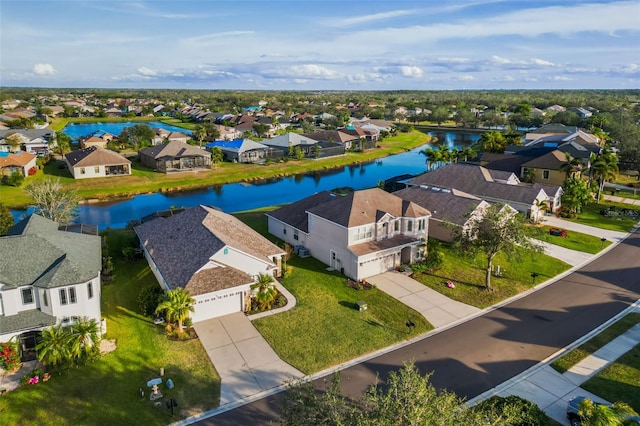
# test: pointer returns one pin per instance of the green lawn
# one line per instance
(619, 381)
(587, 348)
(468, 274)
(325, 328)
(105, 392)
(143, 180)
(574, 241)
(591, 216)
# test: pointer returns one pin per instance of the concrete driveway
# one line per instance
(438, 309)
(246, 363)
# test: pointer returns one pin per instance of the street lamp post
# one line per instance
(602, 240)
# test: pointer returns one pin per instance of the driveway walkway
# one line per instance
(557, 222)
(438, 309)
(246, 363)
(572, 257)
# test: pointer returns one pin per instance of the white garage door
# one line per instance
(217, 305)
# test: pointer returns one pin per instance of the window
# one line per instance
(72, 295)
(295, 234)
(90, 290)
(545, 174)
(81, 170)
(96, 169)
(361, 233)
(284, 231)
(27, 296)
(396, 225)
(421, 224)
(63, 296)
(45, 299)
(409, 225)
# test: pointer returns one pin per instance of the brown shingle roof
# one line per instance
(450, 206)
(366, 206)
(295, 214)
(553, 160)
(19, 159)
(95, 156)
(180, 245)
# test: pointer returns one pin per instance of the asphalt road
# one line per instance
(482, 353)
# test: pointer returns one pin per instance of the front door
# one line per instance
(28, 343)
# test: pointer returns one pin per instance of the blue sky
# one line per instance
(321, 45)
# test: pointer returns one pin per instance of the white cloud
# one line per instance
(215, 37)
(466, 77)
(147, 71)
(541, 62)
(303, 71)
(562, 78)
(44, 69)
(500, 60)
(345, 22)
(412, 72)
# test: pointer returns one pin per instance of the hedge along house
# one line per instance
(49, 276)
(361, 234)
(212, 255)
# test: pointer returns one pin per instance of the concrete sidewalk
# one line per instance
(551, 391)
(572, 257)
(610, 235)
(438, 309)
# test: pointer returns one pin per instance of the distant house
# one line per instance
(21, 162)
(96, 162)
(582, 112)
(228, 133)
(493, 186)
(163, 136)
(210, 254)
(33, 141)
(174, 157)
(243, 150)
(334, 136)
(93, 141)
(361, 234)
(295, 140)
(447, 207)
(49, 277)
(549, 168)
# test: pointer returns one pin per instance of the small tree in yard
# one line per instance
(265, 292)
(53, 201)
(498, 229)
(575, 195)
(176, 304)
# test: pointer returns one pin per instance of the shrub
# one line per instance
(9, 356)
(528, 413)
(148, 299)
(15, 179)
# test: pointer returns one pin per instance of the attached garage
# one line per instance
(218, 303)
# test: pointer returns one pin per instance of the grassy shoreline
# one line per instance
(144, 180)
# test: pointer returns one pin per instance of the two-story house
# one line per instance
(49, 276)
(361, 234)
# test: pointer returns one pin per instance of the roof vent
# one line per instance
(433, 188)
(424, 186)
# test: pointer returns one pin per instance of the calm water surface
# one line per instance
(237, 197)
(75, 130)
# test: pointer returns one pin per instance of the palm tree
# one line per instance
(604, 168)
(572, 166)
(53, 347)
(266, 293)
(446, 154)
(434, 157)
(199, 132)
(176, 304)
(455, 155)
(543, 206)
(468, 152)
(84, 339)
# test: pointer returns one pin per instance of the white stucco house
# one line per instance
(49, 276)
(360, 234)
(96, 162)
(211, 254)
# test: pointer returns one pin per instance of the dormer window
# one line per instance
(27, 296)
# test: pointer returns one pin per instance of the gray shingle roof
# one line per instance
(363, 207)
(38, 254)
(479, 181)
(173, 149)
(25, 320)
(295, 214)
(182, 244)
(452, 206)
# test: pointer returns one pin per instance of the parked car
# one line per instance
(573, 406)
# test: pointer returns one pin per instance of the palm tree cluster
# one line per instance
(176, 305)
(604, 167)
(444, 155)
(65, 346)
